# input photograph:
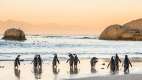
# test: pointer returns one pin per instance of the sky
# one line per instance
(87, 17)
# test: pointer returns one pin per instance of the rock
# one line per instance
(1, 66)
(102, 68)
(14, 34)
(103, 64)
(112, 32)
(134, 24)
(129, 31)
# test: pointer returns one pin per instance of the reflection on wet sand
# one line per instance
(55, 70)
(37, 73)
(74, 71)
(93, 70)
(17, 73)
(126, 72)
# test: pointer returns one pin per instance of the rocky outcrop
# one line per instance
(112, 32)
(129, 31)
(14, 34)
(134, 24)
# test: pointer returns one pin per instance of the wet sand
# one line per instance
(26, 71)
(113, 77)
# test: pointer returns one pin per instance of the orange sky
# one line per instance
(73, 16)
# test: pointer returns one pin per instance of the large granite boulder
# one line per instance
(134, 24)
(112, 32)
(129, 31)
(14, 34)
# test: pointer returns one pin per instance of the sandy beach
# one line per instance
(93, 36)
(63, 72)
(113, 77)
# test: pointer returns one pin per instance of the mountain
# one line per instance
(4, 25)
(26, 27)
(30, 28)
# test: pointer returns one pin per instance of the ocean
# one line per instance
(83, 46)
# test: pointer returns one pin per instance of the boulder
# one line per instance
(112, 32)
(14, 34)
(134, 24)
(129, 31)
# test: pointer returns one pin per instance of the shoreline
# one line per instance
(112, 77)
(133, 59)
(63, 71)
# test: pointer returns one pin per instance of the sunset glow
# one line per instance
(88, 17)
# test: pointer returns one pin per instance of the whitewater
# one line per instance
(83, 46)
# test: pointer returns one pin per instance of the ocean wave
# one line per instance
(62, 45)
(72, 37)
